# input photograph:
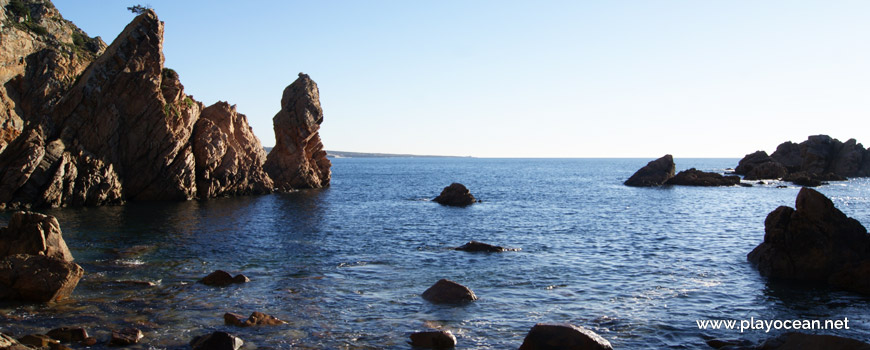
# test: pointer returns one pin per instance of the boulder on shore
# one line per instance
(655, 173)
(433, 339)
(34, 234)
(552, 336)
(816, 243)
(695, 177)
(456, 195)
(37, 278)
(448, 292)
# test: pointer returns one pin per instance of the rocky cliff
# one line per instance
(298, 159)
(42, 56)
(820, 156)
(126, 130)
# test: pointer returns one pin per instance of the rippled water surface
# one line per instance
(345, 266)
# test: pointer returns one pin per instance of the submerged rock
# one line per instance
(256, 319)
(38, 341)
(456, 195)
(216, 341)
(655, 173)
(68, 334)
(433, 339)
(37, 278)
(815, 242)
(552, 336)
(298, 159)
(695, 177)
(222, 278)
(34, 234)
(448, 292)
(475, 246)
(126, 336)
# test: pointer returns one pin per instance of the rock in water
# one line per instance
(818, 156)
(216, 341)
(433, 339)
(256, 319)
(655, 173)
(34, 234)
(37, 278)
(455, 195)
(695, 177)
(125, 130)
(126, 336)
(221, 278)
(475, 246)
(229, 158)
(552, 336)
(298, 159)
(815, 242)
(448, 292)
(68, 334)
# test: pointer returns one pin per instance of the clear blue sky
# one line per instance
(528, 79)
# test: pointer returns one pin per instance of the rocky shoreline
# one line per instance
(103, 125)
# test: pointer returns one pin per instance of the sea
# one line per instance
(346, 266)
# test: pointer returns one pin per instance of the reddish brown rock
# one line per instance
(298, 160)
(10, 343)
(126, 130)
(37, 340)
(126, 336)
(448, 292)
(655, 173)
(256, 319)
(816, 243)
(34, 234)
(695, 177)
(229, 157)
(552, 336)
(68, 334)
(37, 278)
(808, 162)
(433, 339)
(42, 55)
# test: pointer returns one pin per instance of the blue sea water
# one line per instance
(346, 265)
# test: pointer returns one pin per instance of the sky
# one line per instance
(505, 78)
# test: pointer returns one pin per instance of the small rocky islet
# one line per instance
(67, 140)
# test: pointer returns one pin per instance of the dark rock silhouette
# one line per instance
(816, 243)
(655, 173)
(551, 336)
(475, 246)
(819, 158)
(433, 339)
(695, 177)
(216, 341)
(455, 195)
(448, 292)
(221, 278)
